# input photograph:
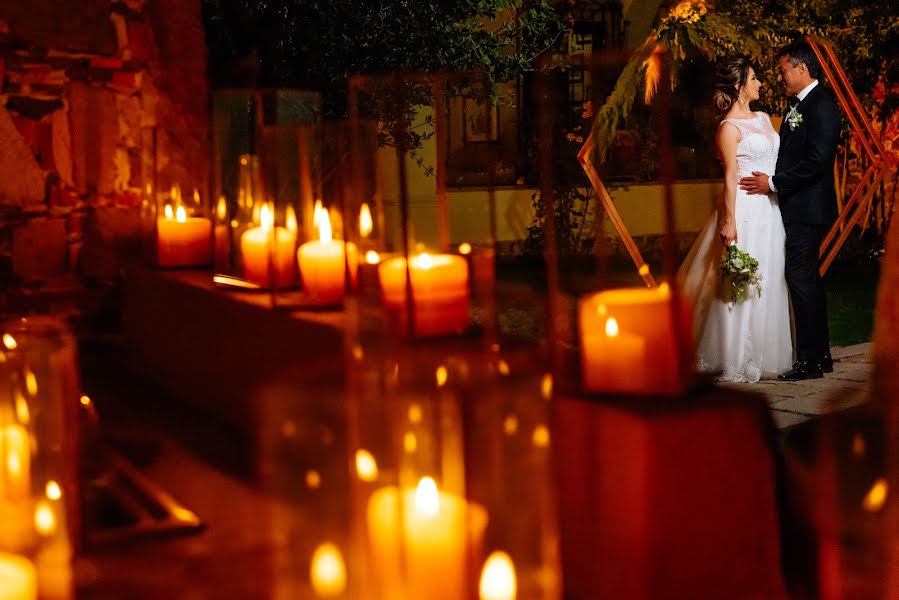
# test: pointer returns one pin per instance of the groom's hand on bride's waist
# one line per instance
(757, 183)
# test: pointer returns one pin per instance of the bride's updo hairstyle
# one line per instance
(728, 75)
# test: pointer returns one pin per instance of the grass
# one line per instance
(851, 299)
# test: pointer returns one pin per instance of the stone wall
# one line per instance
(79, 82)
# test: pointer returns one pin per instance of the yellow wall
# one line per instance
(640, 205)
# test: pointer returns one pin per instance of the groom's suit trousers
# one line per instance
(807, 290)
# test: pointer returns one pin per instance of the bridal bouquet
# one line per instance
(739, 270)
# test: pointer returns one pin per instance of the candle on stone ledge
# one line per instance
(323, 264)
(256, 248)
(629, 342)
(182, 241)
(440, 296)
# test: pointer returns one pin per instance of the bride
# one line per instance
(748, 340)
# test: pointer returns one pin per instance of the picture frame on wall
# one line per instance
(481, 121)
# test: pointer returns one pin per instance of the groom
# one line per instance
(804, 183)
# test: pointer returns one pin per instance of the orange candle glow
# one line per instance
(439, 292)
(15, 464)
(628, 341)
(434, 530)
(222, 235)
(183, 241)
(322, 266)
(18, 578)
(256, 246)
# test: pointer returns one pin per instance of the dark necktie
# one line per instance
(793, 101)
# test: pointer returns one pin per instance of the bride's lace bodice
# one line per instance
(758, 146)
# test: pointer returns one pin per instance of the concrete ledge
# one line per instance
(220, 350)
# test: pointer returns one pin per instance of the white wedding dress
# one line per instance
(749, 340)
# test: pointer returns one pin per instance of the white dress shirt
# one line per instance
(801, 95)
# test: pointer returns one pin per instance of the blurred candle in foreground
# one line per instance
(433, 531)
(18, 578)
(439, 292)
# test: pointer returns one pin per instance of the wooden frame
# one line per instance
(585, 157)
(859, 203)
(480, 121)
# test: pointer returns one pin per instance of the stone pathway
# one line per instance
(795, 402)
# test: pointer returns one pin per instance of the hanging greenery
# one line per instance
(865, 33)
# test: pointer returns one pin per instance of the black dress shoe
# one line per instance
(827, 363)
(802, 369)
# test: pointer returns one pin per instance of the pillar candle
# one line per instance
(182, 241)
(323, 264)
(439, 292)
(255, 247)
(18, 578)
(437, 532)
(628, 341)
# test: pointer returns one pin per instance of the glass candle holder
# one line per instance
(441, 424)
(252, 222)
(39, 510)
(175, 211)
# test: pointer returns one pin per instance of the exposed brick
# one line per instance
(21, 177)
(94, 133)
(39, 248)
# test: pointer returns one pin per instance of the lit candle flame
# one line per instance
(266, 217)
(498, 580)
(876, 496)
(372, 257)
(44, 519)
(611, 327)
(85, 401)
(169, 214)
(22, 412)
(30, 383)
(54, 492)
(540, 437)
(290, 220)
(546, 386)
(427, 499)
(181, 215)
(465, 248)
(327, 571)
(415, 413)
(410, 442)
(425, 261)
(317, 210)
(366, 466)
(365, 222)
(324, 227)
(10, 342)
(221, 209)
(313, 479)
(441, 375)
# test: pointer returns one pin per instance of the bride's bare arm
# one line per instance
(727, 139)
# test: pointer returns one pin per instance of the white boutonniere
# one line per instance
(794, 120)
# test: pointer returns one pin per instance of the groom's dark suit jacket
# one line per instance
(804, 174)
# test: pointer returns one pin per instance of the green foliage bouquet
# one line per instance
(739, 270)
